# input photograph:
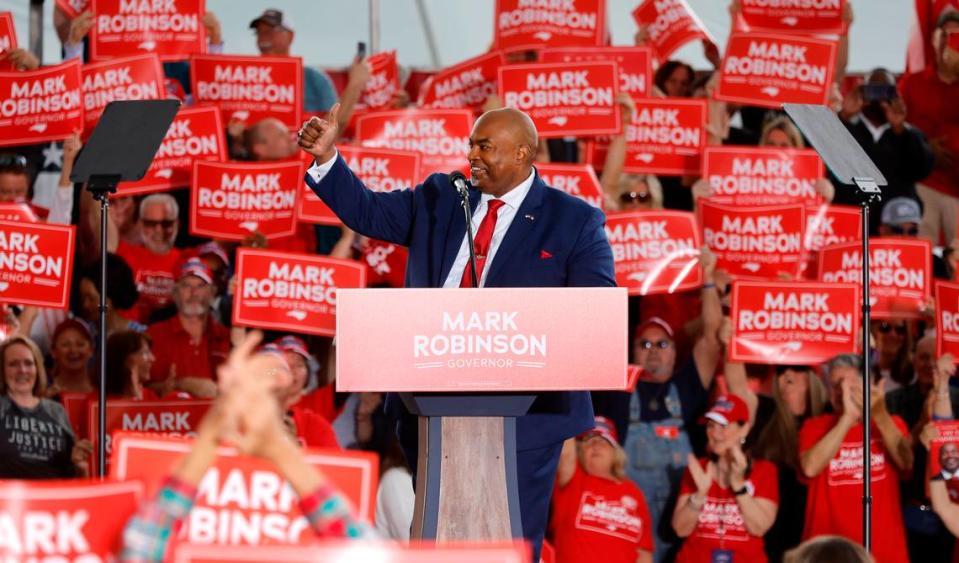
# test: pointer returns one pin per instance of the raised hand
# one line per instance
(318, 136)
(701, 476)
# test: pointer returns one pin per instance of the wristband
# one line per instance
(741, 491)
(709, 285)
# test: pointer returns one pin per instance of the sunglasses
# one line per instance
(908, 231)
(12, 161)
(167, 224)
(650, 344)
(635, 197)
(885, 327)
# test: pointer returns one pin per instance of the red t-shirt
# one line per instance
(835, 495)
(172, 344)
(932, 108)
(312, 429)
(320, 401)
(597, 519)
(721, 526)
(154, 275)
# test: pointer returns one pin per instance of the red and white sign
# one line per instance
(8, 38)
(900, 273)
(73, 8)
(665, 136)
(441, 136)
(243, 500)
(635, 64)
(173, 418)
(173, 29)
(768, 70)
(655, 251)
(139, 77)
(384, 81)
(290, 291)
(762, 175)
(382, 170)
(490, 339)
(250, 89)
(832, 224)
(382, 552)
(790, 323)
(36, 263)
(804, 18)
(385, 262)
(669, 24)
(40, 105)
(464, 85)
(196, 134)
(755, 242)
(76, 520)
(230, 200)
(531, 24)
(947, 319)
(564, 99)
(578, 180)
(944, 456)
(17, 212)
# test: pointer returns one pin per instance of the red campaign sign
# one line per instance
(250, 89)
(69, 520)
(8, 37)
(139, 77)
(827, 225)
(655, 251)
(384, 81)
(900, 273)
(73, 8)
(382, 170)
(578, 180)
(532, 24)
(947, 319)
(665, 136)
(76, 406)
(769, 70)
(441, 136)
(343, 550)
(790, 323)
(564, 99)
(464, 85)
(385, 262)
(805, 18)
(172, 29)
(670, 24)
(17, 212)
(36, 263)
(944, 448)
(755, 242)
(196, 134)
(230, 200)
(291, 291)
(762, 175)
(635, 64)
(40, 105)
(172, 418)
(243, 500)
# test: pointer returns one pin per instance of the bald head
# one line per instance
(269, 139)
(502, 149)
(517, 124)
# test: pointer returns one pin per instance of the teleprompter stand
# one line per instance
(120, 149)
(853, 168)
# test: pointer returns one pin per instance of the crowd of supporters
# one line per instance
(706, 460)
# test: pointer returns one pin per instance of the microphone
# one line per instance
(458, 180)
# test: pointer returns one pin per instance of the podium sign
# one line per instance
(488, 339)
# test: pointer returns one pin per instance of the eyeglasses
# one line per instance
(167, 224)
(13, 161)
(650, 344)
(908, 231)
(634, 197)
(885, 327)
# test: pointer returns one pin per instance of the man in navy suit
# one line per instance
(536, 236)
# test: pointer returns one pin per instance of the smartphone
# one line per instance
(361, 49)
(878, 92)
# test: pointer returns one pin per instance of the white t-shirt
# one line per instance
(394, 504)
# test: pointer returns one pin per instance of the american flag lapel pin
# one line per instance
(530, 217)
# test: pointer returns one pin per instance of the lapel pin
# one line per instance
(530, 217)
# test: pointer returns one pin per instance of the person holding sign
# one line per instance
(533, 236)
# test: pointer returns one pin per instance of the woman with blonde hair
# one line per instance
(597, 512)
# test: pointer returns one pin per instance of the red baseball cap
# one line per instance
(656, 322)
(195, 267)
(603, 427)
(727, 409)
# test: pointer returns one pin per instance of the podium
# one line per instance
(469, 363)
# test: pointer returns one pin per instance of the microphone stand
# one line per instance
(468, 213)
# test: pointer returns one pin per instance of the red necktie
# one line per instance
(481, 243)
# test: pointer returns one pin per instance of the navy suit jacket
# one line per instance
(430, 221)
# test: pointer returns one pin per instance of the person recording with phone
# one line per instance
(876, 116)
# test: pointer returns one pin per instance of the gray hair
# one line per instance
(844, 361)
(164, 199)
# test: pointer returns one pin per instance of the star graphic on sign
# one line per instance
(53, 156)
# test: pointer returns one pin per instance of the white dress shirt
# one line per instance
(507, 212)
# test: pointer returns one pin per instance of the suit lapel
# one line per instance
(519, 229)
(455, 234)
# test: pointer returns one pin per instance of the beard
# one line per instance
(158, 247)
